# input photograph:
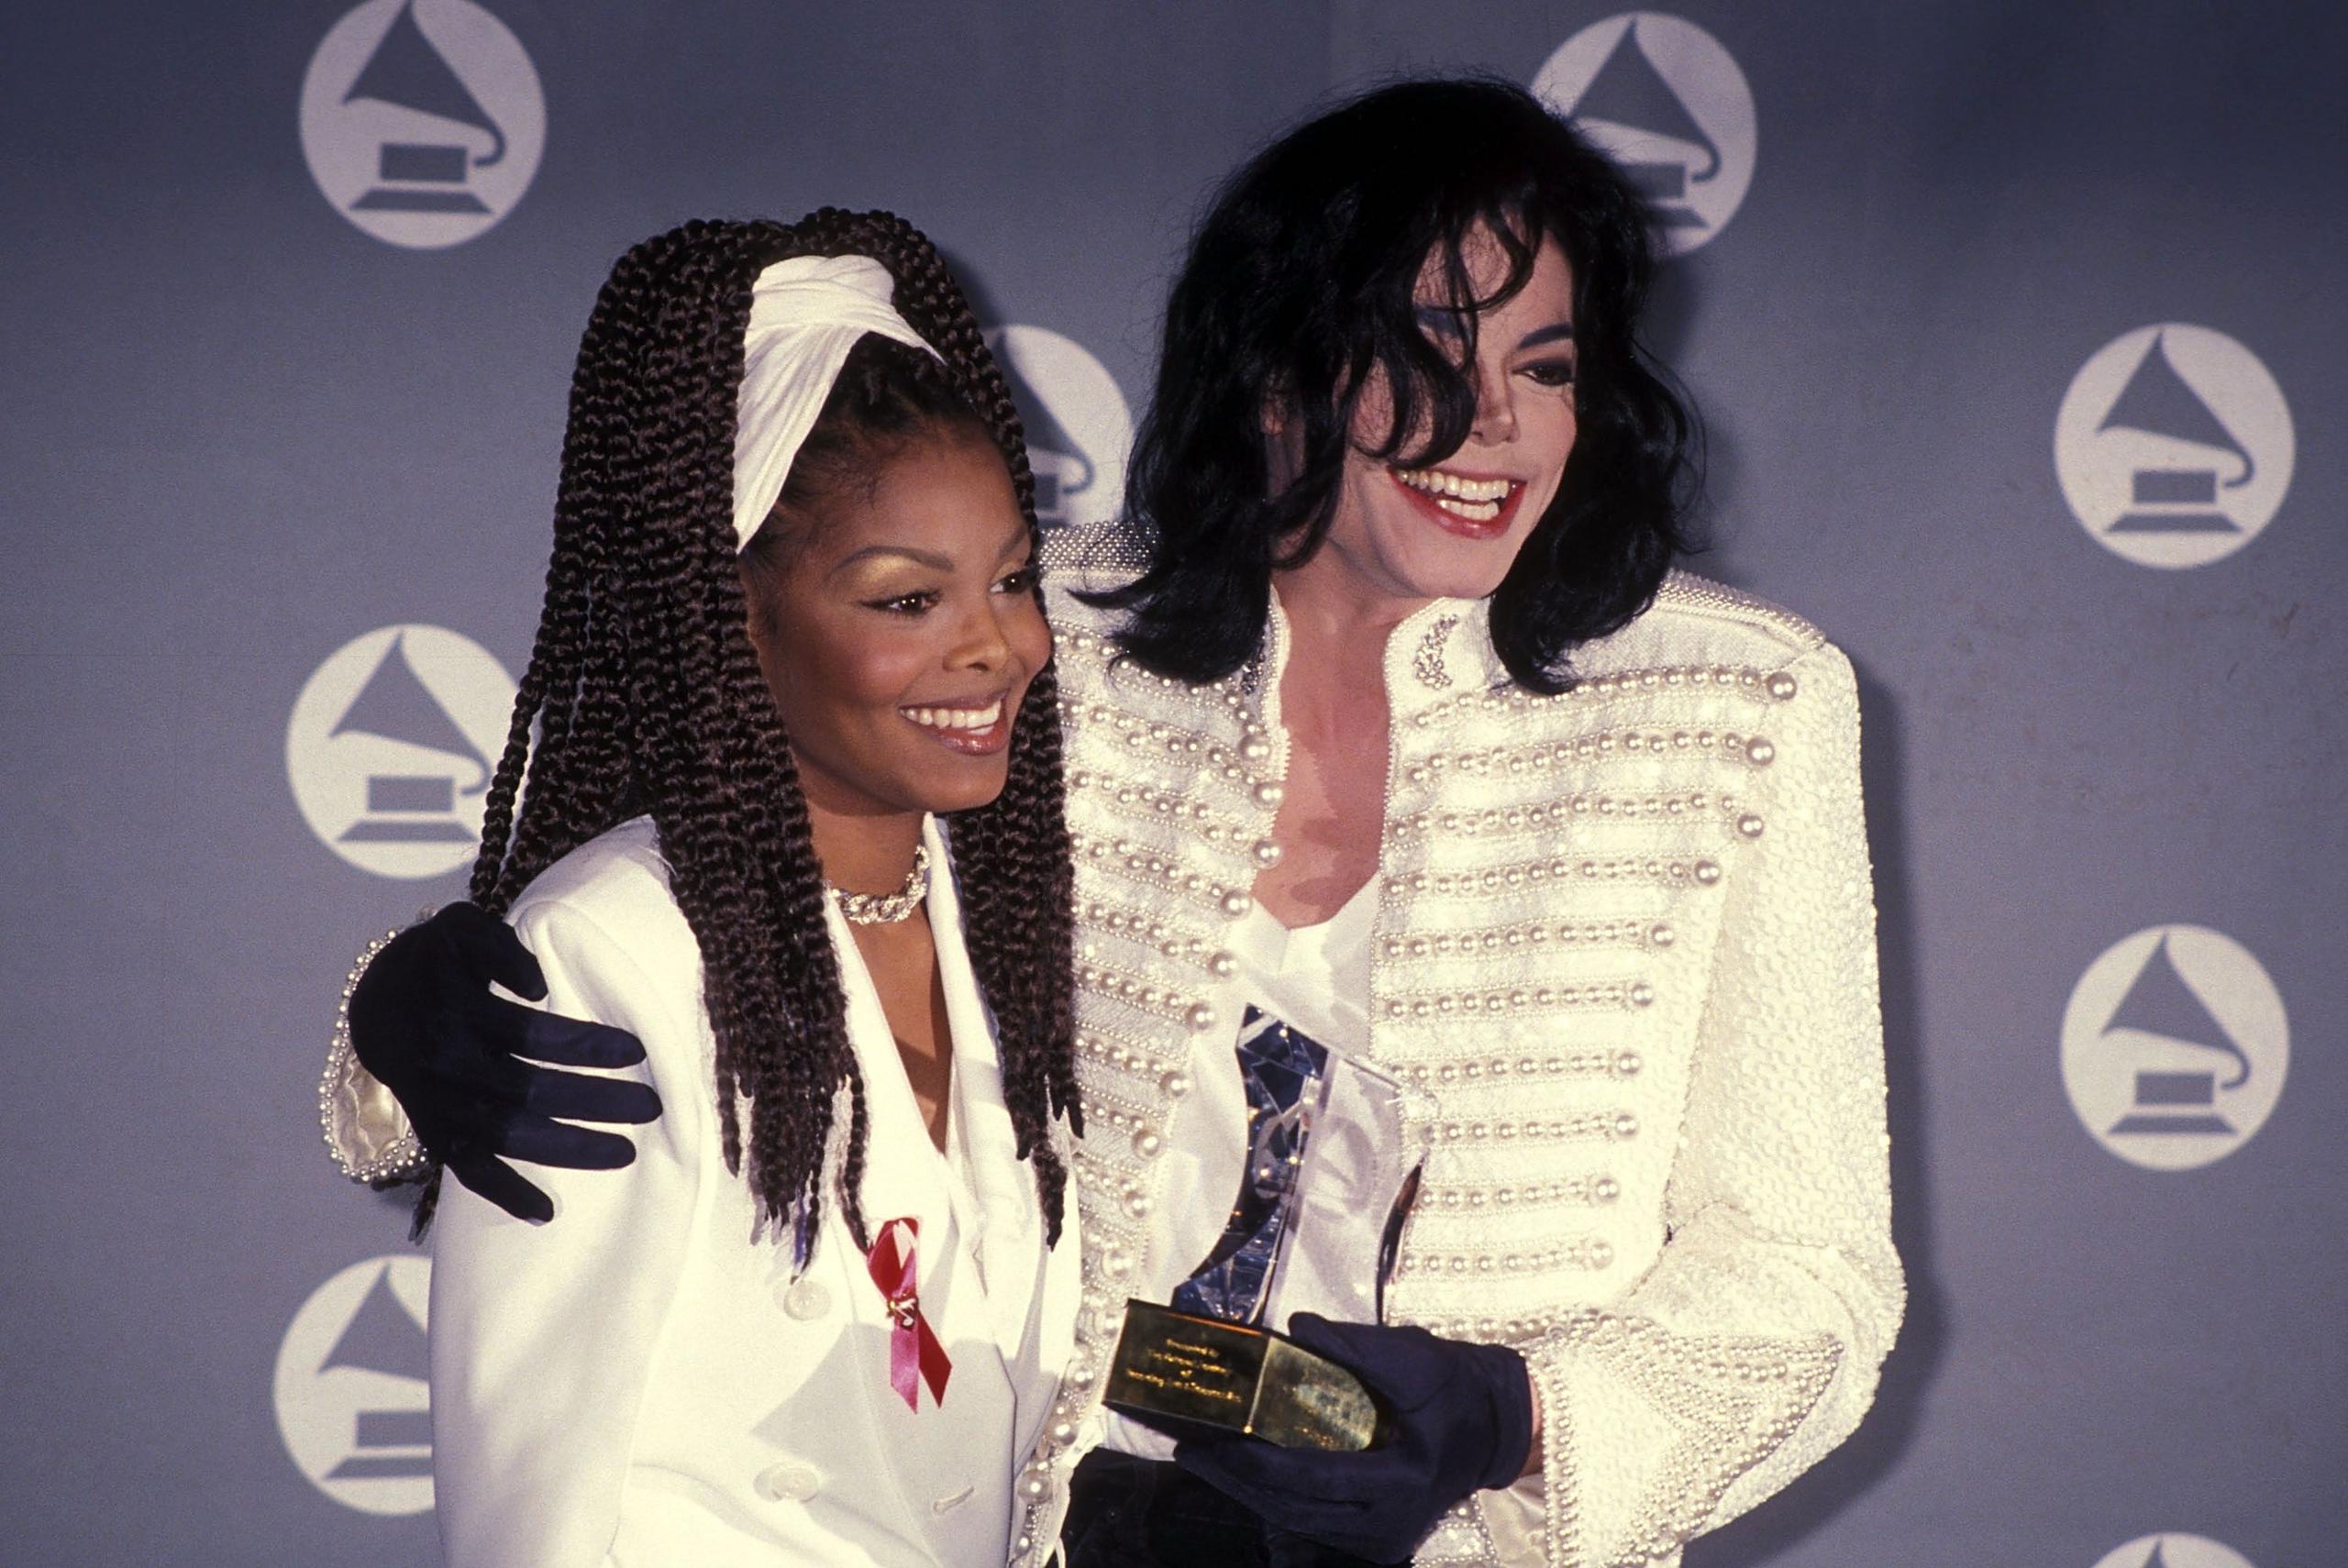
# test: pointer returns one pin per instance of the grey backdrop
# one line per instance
(239, 432)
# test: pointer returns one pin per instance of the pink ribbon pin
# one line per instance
(915, 1356)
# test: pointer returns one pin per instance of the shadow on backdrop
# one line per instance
(1674, 318)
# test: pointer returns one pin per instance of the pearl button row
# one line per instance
(1745, 681)
(1115, 727)
(1501, 821)
(1614, 1126)
(1199, 818)
(1123, 671)
(1546, 755)
(1159, 802)
(1588, 1255)
(1037, 1486)
(1590, 1190)
(1702, 872)
(1100, 1108)
(1138, 863)
(1098, 979)
(1498, 939)
(1129, 1057)
(1100, 719)
(1575, 1063)
(1113, 1194)
(1156, 934)
(1523, 998)
(1120, 726)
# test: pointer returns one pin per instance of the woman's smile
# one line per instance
(978, 728)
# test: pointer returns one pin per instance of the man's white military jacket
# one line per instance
(1624, 948)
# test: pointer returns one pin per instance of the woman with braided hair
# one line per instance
(792, 625)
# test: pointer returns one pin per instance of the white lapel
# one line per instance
(948, 1454)
(1008, 1228)
(1031, 1294)
(904, 1176)
(1006, 1338)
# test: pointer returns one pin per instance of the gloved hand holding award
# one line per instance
(1329, 1149)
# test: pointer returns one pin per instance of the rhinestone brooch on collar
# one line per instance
(887, 909)
(1426, 660)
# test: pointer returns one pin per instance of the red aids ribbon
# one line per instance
(914, 1355)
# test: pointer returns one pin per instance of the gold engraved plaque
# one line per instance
(1176, 1371)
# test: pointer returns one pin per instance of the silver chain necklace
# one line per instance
(887, 909)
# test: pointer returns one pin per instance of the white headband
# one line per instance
(805, 315)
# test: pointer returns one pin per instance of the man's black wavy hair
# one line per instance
(1300, 281)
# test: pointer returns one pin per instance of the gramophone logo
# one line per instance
(2172, 1549)
(422, 120)
(2174, 1046)
(1669, 103)
(391, 745)
(353, 1403)
(1078, 429)
(2173, 446)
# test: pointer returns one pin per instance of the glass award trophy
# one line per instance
(1329, 1147)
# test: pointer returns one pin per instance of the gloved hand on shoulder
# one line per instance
(466, 1065)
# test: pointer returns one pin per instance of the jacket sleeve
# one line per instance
(1753, 1345)
(543, 1336)
(367, 1130)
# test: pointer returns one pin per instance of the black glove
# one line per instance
(1457, 1416)
(424, 1022)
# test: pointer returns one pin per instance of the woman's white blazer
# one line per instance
(642, 1382)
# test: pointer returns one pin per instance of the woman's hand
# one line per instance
(424, 1022)
(1456, 1417)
